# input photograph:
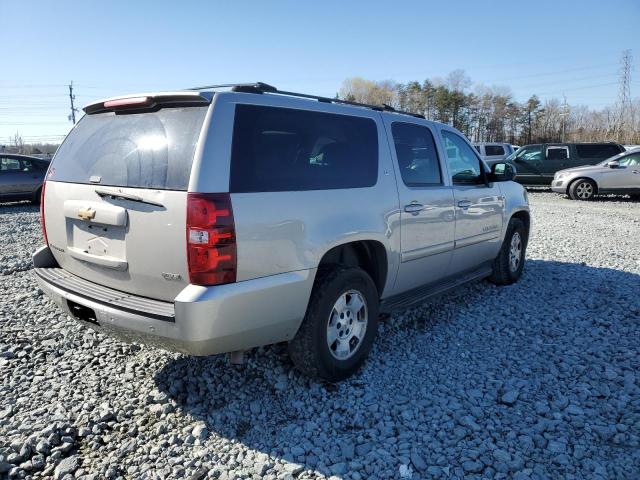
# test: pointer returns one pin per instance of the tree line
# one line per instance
(491, 114)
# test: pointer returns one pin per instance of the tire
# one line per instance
(583, 189)
(310, 350)
(508, 265)
(35, 200)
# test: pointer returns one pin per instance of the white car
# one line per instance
(618, 174)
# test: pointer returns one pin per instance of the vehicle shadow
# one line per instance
(23, 205)
(411, 399)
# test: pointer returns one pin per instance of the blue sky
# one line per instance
(108, 48)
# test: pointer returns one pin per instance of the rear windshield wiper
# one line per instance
(127, 196)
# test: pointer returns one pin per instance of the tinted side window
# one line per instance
(630, 160)
(417, 155)
(557, 153)
(463, 162)
(494, 150)
(9, 164)
(597, 151)
(27, 166)
(282, 149)
(530, 153)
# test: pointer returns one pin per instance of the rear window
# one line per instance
(417, 155)
(597, 151)
(493, 150)
(145, 150)
(282, 149)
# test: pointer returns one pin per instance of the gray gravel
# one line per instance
(537, 380)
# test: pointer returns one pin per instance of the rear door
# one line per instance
(556, 157)
(31, 175)
(116, 198)
(427, 216)
(15, 176)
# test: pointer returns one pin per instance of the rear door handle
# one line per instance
(637, 172)
(464, 204)
(413, 208)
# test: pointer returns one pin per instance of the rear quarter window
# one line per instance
(494, 150)
(281, 149)
(145, 150)
(597, 151)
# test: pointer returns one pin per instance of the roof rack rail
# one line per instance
(261, 87)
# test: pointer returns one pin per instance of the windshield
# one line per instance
(144, 150)
(513, 155)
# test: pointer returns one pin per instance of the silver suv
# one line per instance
(493, 152)
(211, 221)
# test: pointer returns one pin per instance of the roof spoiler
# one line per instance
(148, 102)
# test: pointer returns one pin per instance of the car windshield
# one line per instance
(513, 155)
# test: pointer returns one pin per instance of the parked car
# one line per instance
(213, 221)
(21, 177)
(493, 152)
(537, 164)
(618, 174)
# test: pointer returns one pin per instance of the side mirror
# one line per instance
(502, 172)
(613, 164)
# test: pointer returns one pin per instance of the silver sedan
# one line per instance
(618, 174)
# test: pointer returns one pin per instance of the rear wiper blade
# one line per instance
(127, 196)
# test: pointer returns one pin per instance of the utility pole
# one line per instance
(72, 97)
(624, 95)
(564, 112)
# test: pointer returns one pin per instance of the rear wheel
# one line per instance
(339, 327)
(582, 189)
(508, 265)
(35, 199)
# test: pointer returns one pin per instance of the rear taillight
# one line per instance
(44, 227)
(211, 239)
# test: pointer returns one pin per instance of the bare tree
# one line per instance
(17, 143)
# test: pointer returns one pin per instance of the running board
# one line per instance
(421, 294)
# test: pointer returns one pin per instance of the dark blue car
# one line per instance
(21, 177)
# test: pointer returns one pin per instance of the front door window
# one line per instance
(464, 164)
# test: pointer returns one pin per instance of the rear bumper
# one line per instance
(201, 320)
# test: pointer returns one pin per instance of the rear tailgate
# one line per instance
(116, 198)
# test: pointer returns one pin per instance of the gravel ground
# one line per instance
(536, 380)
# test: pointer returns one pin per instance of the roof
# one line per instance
(205, 94)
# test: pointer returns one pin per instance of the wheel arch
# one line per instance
(370, 255)
(525, 217)
(582, 178)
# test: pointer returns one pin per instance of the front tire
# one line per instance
(582, 189)
(339, 327)
(508, 265)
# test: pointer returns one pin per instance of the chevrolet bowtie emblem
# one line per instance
(86, 213)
